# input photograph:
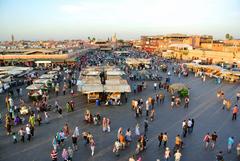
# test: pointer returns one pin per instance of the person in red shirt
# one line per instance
(234, 113)
(54, 155)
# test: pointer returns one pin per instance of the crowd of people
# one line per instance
(22, 127)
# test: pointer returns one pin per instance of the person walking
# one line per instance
(21, 132)
(28, 132)
(65, 154)
(152, 114)
(54, 155)
(214, 137)
(20, 92)
(116, 147)
(137, 130)
(46, 117)
(224, 103)
(238, 150)
(39, 119)
(206, 140)
(14, 138)
(160, 139)
(54, 143)
(186, 100)
(219, 156)
(92, 146)
(59, 109)
(108, 125)
(57, 89)
(238, 96)
(66, 130)
(230, 144)
(145, 126)
(161, 97)
(147, 108)
(131, 158)
(160, 85)
(70, 153)
(165, 139)
(193, 123)
(157, 98)
(74, 142)
(184, 128)
(155, 86)
(235, 112)
(104, 124)
(178, 143)
(64, 89)
(189, 126)
(167, 154)
(172, 103)
(177, 156)
(128, 136)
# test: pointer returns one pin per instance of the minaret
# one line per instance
(12, 38)
(114, 38)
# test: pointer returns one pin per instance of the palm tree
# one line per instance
(227, 36)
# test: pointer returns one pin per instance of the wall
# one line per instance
(215, 55)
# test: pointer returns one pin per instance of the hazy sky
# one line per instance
(78, 19)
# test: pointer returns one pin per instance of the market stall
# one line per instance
(35, 91)
(46, 82)
(180, 89)
(48, 76)
(92, 91)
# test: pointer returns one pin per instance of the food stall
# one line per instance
(48, 76)
(46, 82)
(179, 88)
(111, 90)
(92, 91)
(35, 91)
(115, 87)
(137, 62)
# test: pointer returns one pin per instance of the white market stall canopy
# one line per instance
(113, 84)
(92, 88)
(13, 70)
(41, 81)
(89, 80)
(57, 68)
(53, 72)
(136, 61)
(47, 76)
(121, 88)
(115, 72)
(34, 87)
(117, 85)
(95, 71)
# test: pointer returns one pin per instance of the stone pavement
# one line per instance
(204, 107)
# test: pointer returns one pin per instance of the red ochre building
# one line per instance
(206, 42)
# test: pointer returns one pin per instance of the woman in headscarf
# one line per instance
(76, 132)
(65, 155)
